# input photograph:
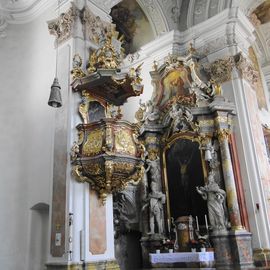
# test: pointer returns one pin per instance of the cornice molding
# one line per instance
(225, 34)
(24, 13)
(105, 5)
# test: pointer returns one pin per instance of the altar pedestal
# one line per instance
(183, 260)
(233, 250)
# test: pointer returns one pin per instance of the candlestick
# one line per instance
(206, 223)
(169, 225)
(197, 223)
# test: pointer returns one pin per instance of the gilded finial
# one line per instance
(216, 87)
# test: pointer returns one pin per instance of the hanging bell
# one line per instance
(55, 99)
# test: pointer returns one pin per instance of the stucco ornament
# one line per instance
(3, 25)
(181, 119)
(94, 27)
(246, 68)
(62, 26)
(221, 70)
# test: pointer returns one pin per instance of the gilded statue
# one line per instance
(135, 73)
(84, 109)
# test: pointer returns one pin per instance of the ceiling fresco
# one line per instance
(131, 22)
(263, 12)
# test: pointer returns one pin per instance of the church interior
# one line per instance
(135, 134)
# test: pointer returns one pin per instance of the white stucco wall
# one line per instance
(27, 65)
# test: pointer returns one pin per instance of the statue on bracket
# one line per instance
(215, 198)
(153, 200)
(156, 201)
(154, 167)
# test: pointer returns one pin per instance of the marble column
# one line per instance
(233, 248)
(229, 181)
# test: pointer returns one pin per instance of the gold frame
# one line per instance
(194, 137)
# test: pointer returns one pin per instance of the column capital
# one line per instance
(79, 22)
(223, 134)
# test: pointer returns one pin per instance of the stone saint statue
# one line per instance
(157, 199)
(215, 203)
(154, 167)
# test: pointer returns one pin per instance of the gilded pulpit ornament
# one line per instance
(111, 85)
(110, 53)
(109, 155)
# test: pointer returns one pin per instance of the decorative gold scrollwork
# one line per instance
(110, 156)
(94, 143)
(77, 174)
(223, 134)
(123, 142)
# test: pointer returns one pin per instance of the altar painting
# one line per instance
(184, 173)
(175, 83)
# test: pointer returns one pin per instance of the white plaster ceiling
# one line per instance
(20, 11)
(16, 4)
(163, 15)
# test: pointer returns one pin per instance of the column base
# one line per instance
(233, 249)
(261, 257)
(106, 265)
(149, 245)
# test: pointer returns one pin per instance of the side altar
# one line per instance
(168, 178)
(188, 195)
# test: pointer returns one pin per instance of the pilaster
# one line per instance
(231, 66)
(82, 235)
